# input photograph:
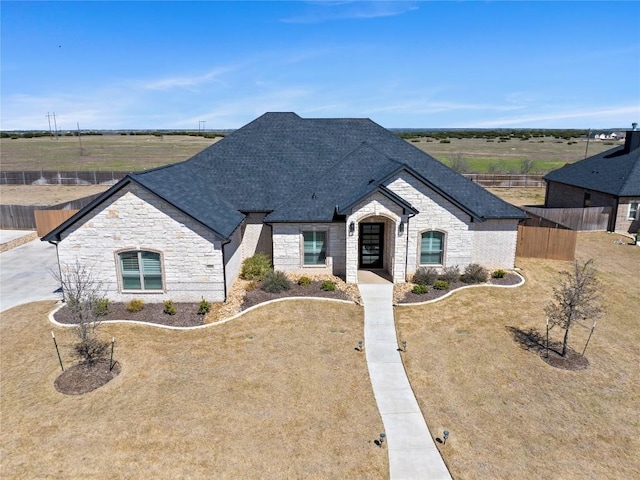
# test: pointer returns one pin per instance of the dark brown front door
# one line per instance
(371, 245)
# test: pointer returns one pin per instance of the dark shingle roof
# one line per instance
(304, 170)
(616, 172)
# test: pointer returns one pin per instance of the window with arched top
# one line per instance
(140, 270)
(432, 248)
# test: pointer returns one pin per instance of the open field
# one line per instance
(46, 194)
(547, 153)
(509, 414)
(278, 393)
(520, 196)
(54, 194)
(99, 152)
(139, 152)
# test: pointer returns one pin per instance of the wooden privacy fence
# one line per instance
(550, 243)
(60, 178)
(22, 217)
(509, 181)
(47, 220)
(580, 219)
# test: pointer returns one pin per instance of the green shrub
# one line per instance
(256, 267)
(169, 307)
(101, 307)
(135, 305)
(450, 274)
(204, 307)
(441, 285)
(304, 281)
(275, 282)
(474, 273)
(419, 289)
(498, 274)
(425, 276)
(328, 286)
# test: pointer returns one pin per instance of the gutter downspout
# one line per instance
(406, 247)
(59, 269)
(224, 269)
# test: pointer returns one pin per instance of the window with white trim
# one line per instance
(633, 210)
(315, 247)
(432, 248)
(140, 270)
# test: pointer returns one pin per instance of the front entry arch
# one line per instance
(371, 246)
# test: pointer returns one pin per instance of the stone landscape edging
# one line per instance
(196, 327)
(411, 304)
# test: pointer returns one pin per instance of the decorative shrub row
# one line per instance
(473, 273)
(136, 305)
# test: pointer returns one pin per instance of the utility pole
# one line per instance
(201, 126)
(55, 124)
(48, 117)
(587, 148)
(79, 137)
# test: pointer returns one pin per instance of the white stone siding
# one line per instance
(435, 213)
(135, 219)
(377, 208)
(288, 248)
(495, 243)
(256, 236)
(232, 258)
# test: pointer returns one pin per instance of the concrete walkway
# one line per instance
(412, 452)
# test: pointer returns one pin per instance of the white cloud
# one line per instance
(605, 117)
(318, 12)
(192, 81)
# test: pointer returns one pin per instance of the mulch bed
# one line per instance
(257, 295)
(571, 361)
(432, 294)
(80, 378)
(186, 316)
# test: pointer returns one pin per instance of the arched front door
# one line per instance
(371, 248)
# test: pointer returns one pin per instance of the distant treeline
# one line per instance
(502, 134)
(156, 133)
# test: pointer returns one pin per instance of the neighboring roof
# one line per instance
(616, 172)
(305, 170)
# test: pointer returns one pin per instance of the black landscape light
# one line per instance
(360, 345)
(382, 437)
(57, 350)
(113, 341)
(404, 345)
(445, 435)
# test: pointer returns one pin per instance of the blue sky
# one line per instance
(139, 65)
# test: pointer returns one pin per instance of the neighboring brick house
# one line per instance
(316, 195)
(608, 179)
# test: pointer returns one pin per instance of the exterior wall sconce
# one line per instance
(401, 227)
(352, 228)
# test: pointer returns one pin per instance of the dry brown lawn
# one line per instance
(521, 196)
(46, 194)
(277, 393)
(509, 414)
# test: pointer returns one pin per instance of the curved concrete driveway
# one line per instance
(24, 274)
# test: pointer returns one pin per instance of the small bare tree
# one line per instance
(84, 295)
(575, 299)
(526, 166)
(459, 163)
